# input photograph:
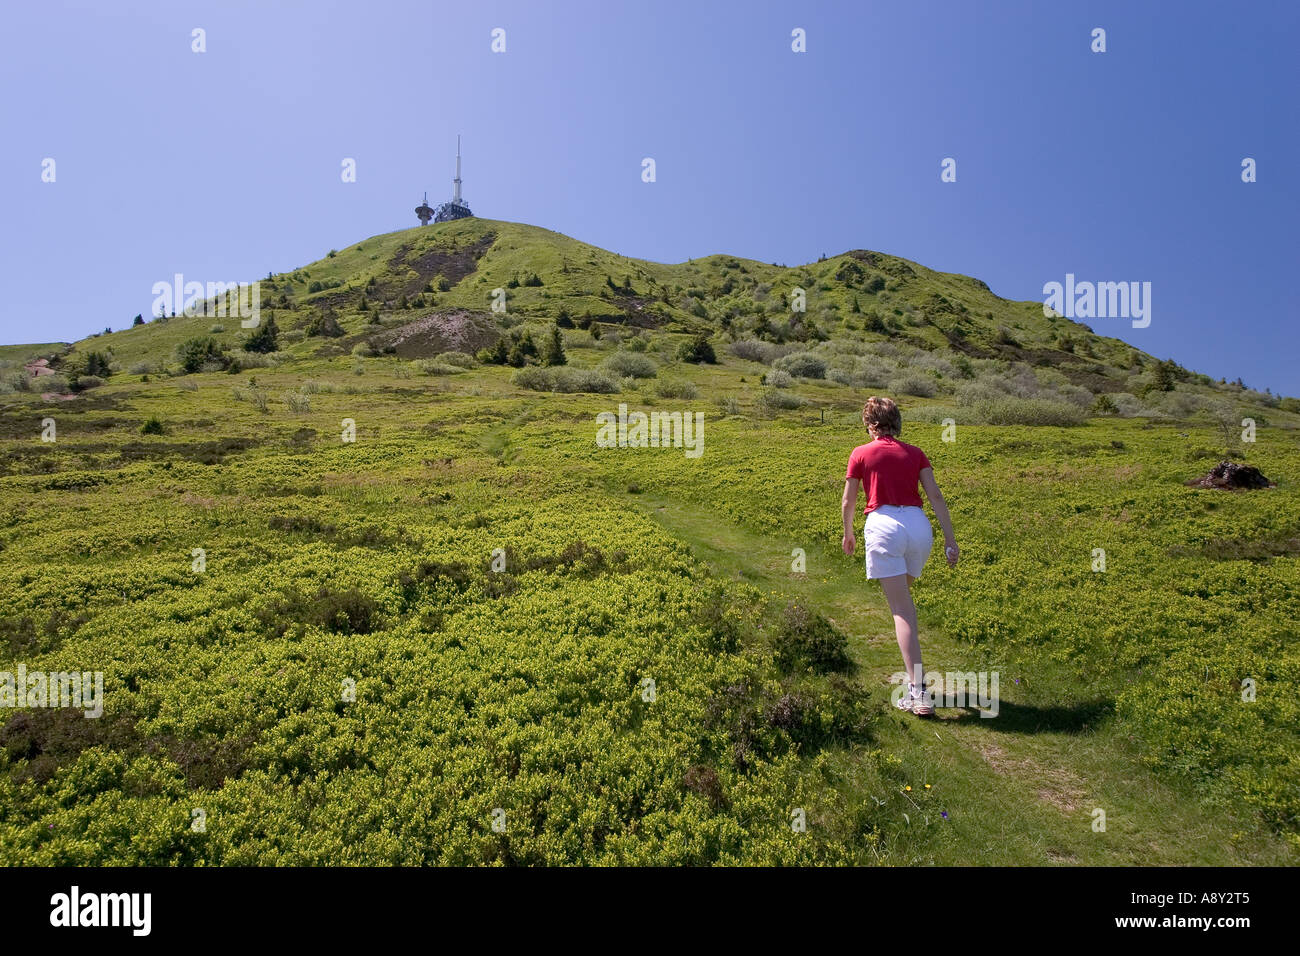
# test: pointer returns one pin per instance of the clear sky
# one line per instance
(224, 165)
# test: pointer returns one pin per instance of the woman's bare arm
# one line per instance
(847, 506)
(941, 512)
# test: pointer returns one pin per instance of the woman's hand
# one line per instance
(952, 553)
(848, 543)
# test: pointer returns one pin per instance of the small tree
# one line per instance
(265, 338)
(495, 354)
(698, 350)
(553, 354)
(325, 324)
(1162, 379)
(97, 364)
(197, 352)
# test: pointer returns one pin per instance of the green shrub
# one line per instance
(495, 354)
(676, 389)
(805, 638)
(564, 379)
(247, 360)
(1104, 405)
(630, 364)
(772, 399)
(297, 402)
(459, 359)
(326, 325)
(535, 378)
(153, 426)
(521, 348)
(802, 365)
(583, 380)
(729, 406)
(265, 338)
(1029, 411)
(754, 350)
(919, 385)
(195, 353)
(698, 350)
(341, 612)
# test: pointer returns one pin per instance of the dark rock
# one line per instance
(1232, 476)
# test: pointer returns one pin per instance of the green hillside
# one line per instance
(472, 635)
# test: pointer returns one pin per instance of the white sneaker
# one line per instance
(917, 704)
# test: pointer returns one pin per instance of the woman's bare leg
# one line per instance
(898, 592)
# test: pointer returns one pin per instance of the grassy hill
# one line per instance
(372, 651)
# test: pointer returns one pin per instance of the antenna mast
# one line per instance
(456, 196)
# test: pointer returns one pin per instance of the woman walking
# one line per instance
(896, 535)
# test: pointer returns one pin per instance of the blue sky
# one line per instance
(1115, 166)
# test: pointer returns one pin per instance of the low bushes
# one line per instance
(564, 379)
(773, 400)
(437, 367)
(802, 365)
(630, 364)
(917, 385)
(676, 389)
(1028, 411)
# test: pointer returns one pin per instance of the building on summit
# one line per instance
(457, 208)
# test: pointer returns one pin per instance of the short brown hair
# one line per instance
(884, 414)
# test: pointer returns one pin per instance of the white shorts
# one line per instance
(898, 539)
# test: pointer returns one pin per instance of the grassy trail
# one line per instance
(1020, 788)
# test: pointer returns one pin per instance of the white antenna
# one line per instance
(456, 197)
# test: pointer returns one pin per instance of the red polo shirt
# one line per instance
(890, 470)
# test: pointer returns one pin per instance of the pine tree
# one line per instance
(266, 338)
(1163, 377)
(554, 351)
